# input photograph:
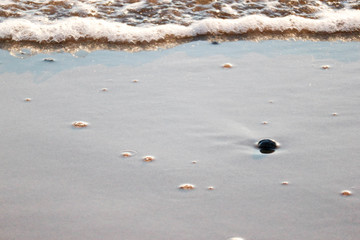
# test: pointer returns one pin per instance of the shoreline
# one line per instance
(91, 45)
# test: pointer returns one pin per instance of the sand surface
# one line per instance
(200, 122)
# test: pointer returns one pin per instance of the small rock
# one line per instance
(49, 60)
(126, 154)
(346, 193)
(187, 186)
(80, 124)
(267, 146)
(148, 158)
(227, 65)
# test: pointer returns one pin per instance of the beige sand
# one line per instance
(61, 182)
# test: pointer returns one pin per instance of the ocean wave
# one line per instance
(77, 28)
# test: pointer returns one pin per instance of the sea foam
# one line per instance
(77, 28)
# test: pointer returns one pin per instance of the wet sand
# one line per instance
(199, 123)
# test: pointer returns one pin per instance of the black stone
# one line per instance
(267, 146)
(214, 43)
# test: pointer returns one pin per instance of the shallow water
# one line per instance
(141, 24)
(59, 182)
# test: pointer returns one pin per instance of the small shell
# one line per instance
(264, 122)
(227, 65)
(186, 186)
(104, 90)
(285, 183)
(325, 67)
(346, 193)
(79, 124)
(27, 99)
(210, 188)
(334, 114)
(148, 158)
(194, 162)
(135, 80)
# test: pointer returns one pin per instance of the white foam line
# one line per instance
(76, 28)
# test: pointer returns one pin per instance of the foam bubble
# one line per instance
(227, 9)
(82, 7)
(133, 6)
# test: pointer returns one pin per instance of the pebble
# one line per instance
(214, 43)
(210, 188)
(235, 238)
(194, 162)
(264, 122)
(186, 186)
(325, 67)
(80, 124)
(346, 193)
(104, 90)
(27, 99)
(135, 80)
(227, 65)
(49, 60)
(128, 154)
(148, 158)
(334, 114)
(267, 145)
